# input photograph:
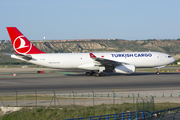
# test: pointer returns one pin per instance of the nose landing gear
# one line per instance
(157, 73)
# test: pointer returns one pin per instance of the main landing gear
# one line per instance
(96, 74)
(157, 73)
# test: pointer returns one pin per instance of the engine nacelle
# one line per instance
(125, 69)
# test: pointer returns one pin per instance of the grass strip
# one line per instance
(66, 112)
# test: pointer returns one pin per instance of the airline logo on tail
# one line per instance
(20, 43)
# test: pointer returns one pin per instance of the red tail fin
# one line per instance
(20, 43)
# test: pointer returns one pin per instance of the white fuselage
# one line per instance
(83, 60)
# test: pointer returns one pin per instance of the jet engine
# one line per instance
(125, 69)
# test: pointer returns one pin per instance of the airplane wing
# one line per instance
(104, 61)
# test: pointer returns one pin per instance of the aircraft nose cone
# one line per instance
(173, 60)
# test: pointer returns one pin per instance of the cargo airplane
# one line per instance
(96, 63)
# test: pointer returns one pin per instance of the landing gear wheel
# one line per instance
(93, 73)
(88, 74)
(96, 74)
(102, 74)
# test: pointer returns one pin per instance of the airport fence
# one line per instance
(91, 98)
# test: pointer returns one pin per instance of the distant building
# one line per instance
(2, 41)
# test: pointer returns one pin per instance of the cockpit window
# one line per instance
(169, 56)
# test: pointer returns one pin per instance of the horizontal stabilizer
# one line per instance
(26, 57)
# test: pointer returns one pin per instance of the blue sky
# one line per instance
(91, 19)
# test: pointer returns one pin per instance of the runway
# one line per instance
(79, 82)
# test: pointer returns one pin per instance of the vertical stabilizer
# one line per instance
(20, 43)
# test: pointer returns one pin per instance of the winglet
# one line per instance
(92, 55)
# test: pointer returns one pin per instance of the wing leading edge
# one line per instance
(105, 62)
